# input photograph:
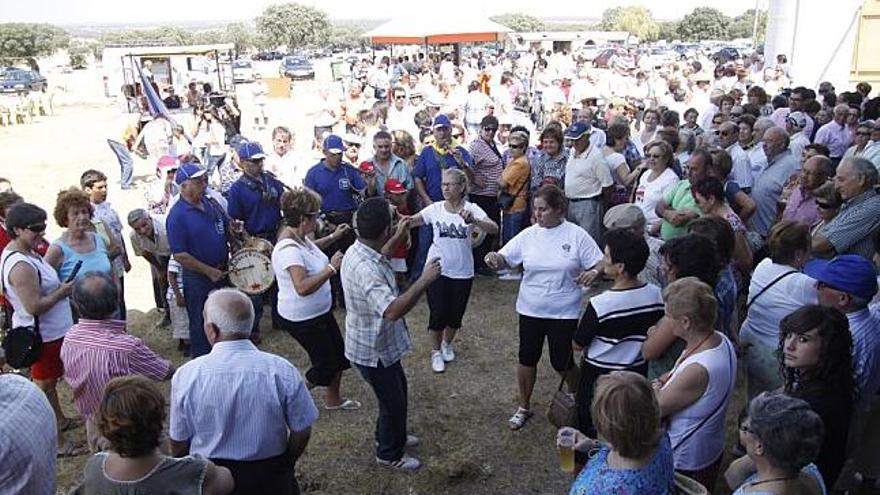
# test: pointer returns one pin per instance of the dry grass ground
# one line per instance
(461, 415)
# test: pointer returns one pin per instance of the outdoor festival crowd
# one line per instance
(716, 220)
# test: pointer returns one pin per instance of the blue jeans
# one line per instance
(389, 385)
(126, 164)
(512, 224)
(196, 288)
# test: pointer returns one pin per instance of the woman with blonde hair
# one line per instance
(514, 180)
(694, 395)
(634, 453)
(305, 300)
(404, 146)
(453, 221)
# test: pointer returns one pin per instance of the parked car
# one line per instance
(297, 68)
(726, 54)
(15, 80)
(242, 71)
(273, 55)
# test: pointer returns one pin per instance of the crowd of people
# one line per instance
(717, 220)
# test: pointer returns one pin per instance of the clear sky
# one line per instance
(121, 12)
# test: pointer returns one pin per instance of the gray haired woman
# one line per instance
(782, 436)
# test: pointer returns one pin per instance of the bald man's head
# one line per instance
(230, 313)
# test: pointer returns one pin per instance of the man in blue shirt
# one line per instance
(255, 199)
(197, 227)
(428, 174)
(341, 188)
(386, 166)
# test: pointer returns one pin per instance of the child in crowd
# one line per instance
(397, 194)
(177, 307)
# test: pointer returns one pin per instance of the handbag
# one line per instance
(21, 345)
(563, 408)
(505, 199)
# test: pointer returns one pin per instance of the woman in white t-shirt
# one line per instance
(38, 298)
(305, 302)
(452, 221)
(654, 182)
(557, 256)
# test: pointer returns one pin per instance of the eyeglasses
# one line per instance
(37, 228)
(354, 145)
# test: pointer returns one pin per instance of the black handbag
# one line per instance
(505, 199)
(21, 345)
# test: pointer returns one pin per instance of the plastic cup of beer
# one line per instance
(565, 444)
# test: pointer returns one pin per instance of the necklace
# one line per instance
(683, 358)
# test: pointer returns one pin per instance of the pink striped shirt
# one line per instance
(96, 351)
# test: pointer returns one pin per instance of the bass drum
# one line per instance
(251, 271)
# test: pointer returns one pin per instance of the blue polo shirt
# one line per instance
(246, 202)
(336, 187)
(202, 234)
(429, 168)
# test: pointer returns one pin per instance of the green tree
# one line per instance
(742, 25)
(704, 23)
(667, 30)
(159, 36)
(79, 52)
(241, 35)
(293, 25)
(635, 20)
(520, 23)
(347, 37)
(28, 41)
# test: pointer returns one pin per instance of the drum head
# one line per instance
(251, 271)
(477, 236)
(260, 244)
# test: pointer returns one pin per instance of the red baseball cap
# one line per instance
(366, 167)
(394, 186)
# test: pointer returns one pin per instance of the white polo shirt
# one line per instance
(586, 174)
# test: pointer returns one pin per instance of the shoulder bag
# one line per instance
(766, 287)
(505, 199)
(21, 345)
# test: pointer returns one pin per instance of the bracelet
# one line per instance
(332, 269)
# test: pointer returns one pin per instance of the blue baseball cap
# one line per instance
(188, 171)
(442, 121)
(577, 130)
(850, 273)
(250, 150)
(334, 144)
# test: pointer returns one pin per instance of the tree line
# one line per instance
(298, 26)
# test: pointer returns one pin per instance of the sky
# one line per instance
(67, 12)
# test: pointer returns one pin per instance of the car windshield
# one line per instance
(295, 61)
(10, 75)
(241, 64)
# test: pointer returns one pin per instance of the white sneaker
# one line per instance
(511, 275)
(437, 363)
(412, 441)
(447, 351)
(405, 463)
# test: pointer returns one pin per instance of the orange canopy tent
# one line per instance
(433, 30)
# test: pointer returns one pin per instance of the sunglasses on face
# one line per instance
(37, 228)
(825, 205)
(400, 97)
(490, 129)
(517, 146)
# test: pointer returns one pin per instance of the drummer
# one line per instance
(341, 188)
(197, 227)
(255, 199)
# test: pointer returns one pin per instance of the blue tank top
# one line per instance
(93, 261)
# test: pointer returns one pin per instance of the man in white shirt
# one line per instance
(282, 161)
(244, 409)
(587, 181)
(728, 134)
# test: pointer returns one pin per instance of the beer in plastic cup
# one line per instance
(566, 451)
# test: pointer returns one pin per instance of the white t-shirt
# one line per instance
(551, 259)
(648, 194)
(615, 160)
(452, 238)
(777, 302)
(292, 306)
(55, 322)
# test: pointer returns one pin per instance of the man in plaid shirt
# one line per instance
(376, 336)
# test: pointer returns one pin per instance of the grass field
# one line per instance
(460, 415)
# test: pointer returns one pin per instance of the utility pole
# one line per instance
(755, 26)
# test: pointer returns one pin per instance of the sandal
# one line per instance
(70, 424)
(519, 418)
(346, 405)
(70, 449)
